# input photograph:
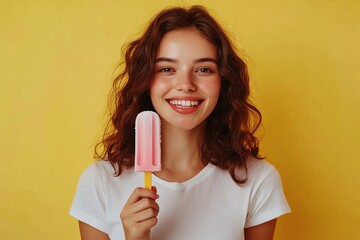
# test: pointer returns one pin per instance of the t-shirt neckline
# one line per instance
(176, 185)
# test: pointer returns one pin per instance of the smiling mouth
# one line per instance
(184, 103)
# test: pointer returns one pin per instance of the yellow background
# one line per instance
(56, 64)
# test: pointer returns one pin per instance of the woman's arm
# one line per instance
(88, 232)
(264, 231)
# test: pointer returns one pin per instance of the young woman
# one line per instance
(213, 184)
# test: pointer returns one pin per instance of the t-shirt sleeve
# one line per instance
(268, 201)
(89, 202)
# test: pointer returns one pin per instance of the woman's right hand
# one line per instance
(139, 214)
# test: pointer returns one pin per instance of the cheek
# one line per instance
(212, 89)
(158, 87)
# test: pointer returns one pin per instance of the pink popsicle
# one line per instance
(147, 145)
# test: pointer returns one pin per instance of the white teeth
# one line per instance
(184, 103)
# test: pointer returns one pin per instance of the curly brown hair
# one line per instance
(229, 138)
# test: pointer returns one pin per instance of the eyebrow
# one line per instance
(172, 60)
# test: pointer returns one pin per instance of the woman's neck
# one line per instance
(181, 153)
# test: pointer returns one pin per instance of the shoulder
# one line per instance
(103, 171)
(262, 177)
(267, 199)
(98, 170)
(100, 167)
(259, 169)
(100, 193)
(90, 201)
(256, 171)
(93, 178)
(101, 176)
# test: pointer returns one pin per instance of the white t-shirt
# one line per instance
(208, 206)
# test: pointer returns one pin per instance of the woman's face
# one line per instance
(186, 83)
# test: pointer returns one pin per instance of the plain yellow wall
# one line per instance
(56, 64)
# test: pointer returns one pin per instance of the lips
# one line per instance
(184, 105)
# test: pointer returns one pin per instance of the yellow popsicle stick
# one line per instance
(148, 180)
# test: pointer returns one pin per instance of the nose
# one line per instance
(185, 83)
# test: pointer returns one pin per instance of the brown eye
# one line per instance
(165, 70)
(205, 70)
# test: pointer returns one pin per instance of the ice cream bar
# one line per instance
(147, 145)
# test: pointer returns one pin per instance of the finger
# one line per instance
(141, 229)
(147, 203)
(140, 193)
(154, 189)
(142, 204)
(145, 215)
(146, 225)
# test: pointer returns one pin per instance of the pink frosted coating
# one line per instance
(147, 142)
